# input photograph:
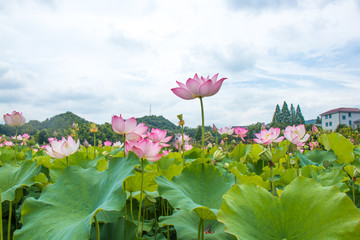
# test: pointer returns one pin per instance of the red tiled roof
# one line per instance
(336, 110)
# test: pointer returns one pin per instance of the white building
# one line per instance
(332, 118)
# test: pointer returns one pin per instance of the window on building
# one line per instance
(343, 117)
(350, 123)
(349, 114)
(326, 116)
(329, 115)
(327, 124)
(330, 123)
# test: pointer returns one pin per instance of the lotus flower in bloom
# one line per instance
(158, 135)
(16, 119)
(268, 136)
(240, 132)
(296, 134)
(128, 128)
(118, 144)
(314, 129)
(198, 87)
(226, 131)
(107, 143)
(144, 148)
(62, 148)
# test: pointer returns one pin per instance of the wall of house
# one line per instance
(331, 121)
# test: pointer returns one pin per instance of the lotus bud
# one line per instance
(16, 119)
(219, 155)
(214, 128)
(314, 129)
(54, 133)
(266, 155)
(86, 143)
(74, 125)
(226, 165)
(263, 127)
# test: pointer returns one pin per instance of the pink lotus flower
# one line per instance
(268, 136)
(296, 134)
(60, 149)
(128, 128)
(226, 131)
(313, 145)
(198, 87)
(8, 143)
(107, 143)
(25, 136)
(144, 148)
(186, 139)
(158, 135)
(240, 132)
(16, 119)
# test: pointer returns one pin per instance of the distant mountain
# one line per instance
(311, 121)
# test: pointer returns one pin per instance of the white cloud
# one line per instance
(118, 57)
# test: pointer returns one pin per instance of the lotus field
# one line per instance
(280, 184)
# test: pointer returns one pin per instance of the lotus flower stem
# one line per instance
(199, 229)
(183, 144)
(353, 191)
(131, 208)
(125, 201)
(16, 133)
(67, 161)
(155, 221)
(1, 226)
(94, 145)
(9, 221)
(272, 178)
(167, 214)
(141, 193)
(142, 224)
(202, 131)
(97, 228)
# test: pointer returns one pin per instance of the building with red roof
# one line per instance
(332, 118)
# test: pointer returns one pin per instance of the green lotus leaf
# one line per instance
(241, 179)
(255, 150)
(318, 156)
(13, 177)
(304, 210)
(7, 155)
(133, 183)
(341, 146)
(118, 229)
(199, 187)
(66, 208)
(240, 151)
(186, 226)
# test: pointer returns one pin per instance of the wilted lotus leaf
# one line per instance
(65, 209)
(304, 210)
(199, 188)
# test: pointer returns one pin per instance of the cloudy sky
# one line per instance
(100, 58)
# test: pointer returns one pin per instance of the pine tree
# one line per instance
(318, 120)
(277, 115)
(299, 118)
(285, 114)
(292, 114)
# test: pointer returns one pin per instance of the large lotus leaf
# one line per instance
(7, 155)
(304, 210)
(169, 172)
(13, 177)
(186, 226)
(256, 179)
(66, 208)
(133, 183)
(240, 151)
(318, 156)
(255, 150)
(199, 187)
(341, 146)
(118, 229)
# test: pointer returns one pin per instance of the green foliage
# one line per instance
(250, 212)
(287, 117)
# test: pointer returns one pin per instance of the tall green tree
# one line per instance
(198, 133)
(277, 115)
(285, 114)
(299, 117)
(292, 114)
